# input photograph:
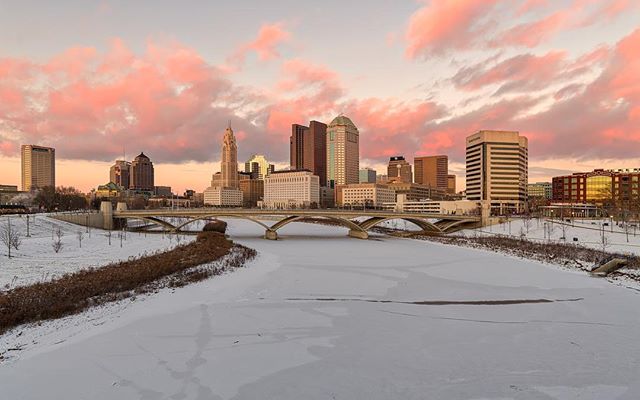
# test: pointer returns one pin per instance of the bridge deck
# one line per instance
(249, 212)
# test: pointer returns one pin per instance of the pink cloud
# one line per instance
(443, 26)
(597, 119)
(92, 104)
(7, 148)
(306, 91)
(522, 72)
(446, 25)
(530, 34)
(265, 45)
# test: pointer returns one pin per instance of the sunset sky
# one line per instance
(416, 77)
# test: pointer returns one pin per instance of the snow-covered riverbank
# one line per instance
(334, 317)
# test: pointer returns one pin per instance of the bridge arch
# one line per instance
(154, 220)
(423, 224)
(218, 216)
(354, 227)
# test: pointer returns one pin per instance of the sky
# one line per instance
(99, 79)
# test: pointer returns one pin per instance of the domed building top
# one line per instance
(342, 120)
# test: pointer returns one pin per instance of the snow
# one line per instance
(588, 232)
(300, 322)
(36, 261)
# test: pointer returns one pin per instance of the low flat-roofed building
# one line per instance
(449, 207)
(572, 210)
(8, 193)
(364, 195)
(415, 191)
(541, 190)
(222, 196)
(108, 191)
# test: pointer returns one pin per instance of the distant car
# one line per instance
(575, 239)
(605, 224)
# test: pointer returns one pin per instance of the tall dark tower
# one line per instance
(308, 149)
(141, 173)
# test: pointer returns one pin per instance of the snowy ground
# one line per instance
(587, 232)
(330, 317)
(36, 260)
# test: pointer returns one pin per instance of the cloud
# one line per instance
(531, 34)
(521, 72)
(306, 91)
(445, 25)
(596, 119)
(265, 45)
(167, 101)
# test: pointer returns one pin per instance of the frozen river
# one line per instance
(331, 317)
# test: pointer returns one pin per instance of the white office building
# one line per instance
(291, 189)
(364, 194)
(222, 196)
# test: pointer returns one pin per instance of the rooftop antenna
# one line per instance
(229, 124)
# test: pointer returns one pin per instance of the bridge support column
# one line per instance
(271, 235)
(358, 234)
(106, 209)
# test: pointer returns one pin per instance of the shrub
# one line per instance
(215, 226)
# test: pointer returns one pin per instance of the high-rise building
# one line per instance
(38, 167)
(432, 171)
(258, 164)
(399, 170)
(308, 149)
(291, 189)
(497, 170)
(119, 173)
(367, 175)
(343, 152)
(451, 184)
(141, 176)
(229, 163)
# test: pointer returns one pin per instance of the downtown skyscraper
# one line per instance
(343, 152)
(308, 149)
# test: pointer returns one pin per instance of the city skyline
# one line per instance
(113, 86)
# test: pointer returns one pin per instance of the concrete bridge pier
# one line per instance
(271, 235)
(106, 209)
(358, 234)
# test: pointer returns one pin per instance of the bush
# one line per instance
(215, 226)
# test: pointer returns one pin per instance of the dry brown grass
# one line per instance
(75, 292)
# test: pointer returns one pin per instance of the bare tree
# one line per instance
(10, 237)
(57, 242)
(80, 236)
(527, 222)
(549, 229)
(604, 244)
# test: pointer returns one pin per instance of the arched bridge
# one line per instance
(359, 222)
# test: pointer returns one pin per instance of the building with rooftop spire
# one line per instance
(225, 189)
(343, 152)
(229, 162)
